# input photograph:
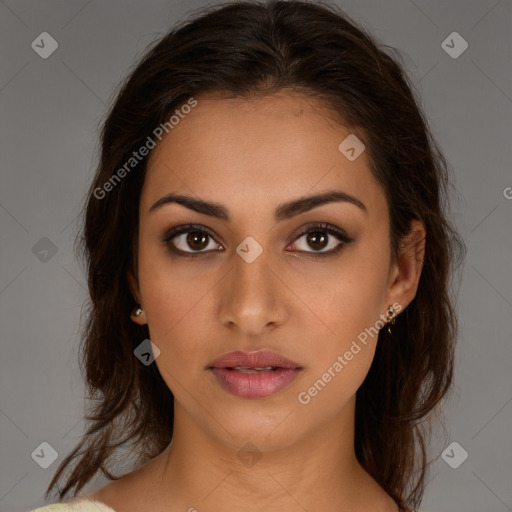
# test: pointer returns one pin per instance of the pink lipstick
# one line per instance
(254, 374)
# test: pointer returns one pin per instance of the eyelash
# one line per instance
(322, 227)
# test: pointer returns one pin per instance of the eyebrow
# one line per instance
(283, 211)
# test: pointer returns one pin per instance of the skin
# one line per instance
(251, 156)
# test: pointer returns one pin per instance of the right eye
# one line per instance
(190, 236)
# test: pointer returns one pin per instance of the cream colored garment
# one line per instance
(76, 505)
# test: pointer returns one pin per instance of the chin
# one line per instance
(269, 431)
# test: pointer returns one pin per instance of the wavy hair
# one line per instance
(242, 49)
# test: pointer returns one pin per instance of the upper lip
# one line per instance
(258, 359)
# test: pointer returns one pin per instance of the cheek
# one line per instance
(179, 328)
(352, 300)
(170, 291)
(178, 312)
(349, 307)
(342, 355)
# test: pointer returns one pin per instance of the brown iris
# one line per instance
(196, 237)
(317, 239)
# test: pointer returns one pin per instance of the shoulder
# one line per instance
(76, 505)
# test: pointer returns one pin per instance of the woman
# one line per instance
(269, 259)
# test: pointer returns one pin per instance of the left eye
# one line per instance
(317, 237)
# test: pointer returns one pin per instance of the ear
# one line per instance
(406, 272)
(135, 289)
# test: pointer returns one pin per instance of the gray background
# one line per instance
(50, 110)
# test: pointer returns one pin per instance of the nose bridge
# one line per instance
(251, 296)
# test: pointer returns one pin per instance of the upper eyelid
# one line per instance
(187, 228)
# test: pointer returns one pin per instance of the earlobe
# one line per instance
(138, 316)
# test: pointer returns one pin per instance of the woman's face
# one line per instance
(255, 281)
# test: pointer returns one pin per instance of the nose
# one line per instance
(252, 297)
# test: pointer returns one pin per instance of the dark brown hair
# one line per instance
(242, 49)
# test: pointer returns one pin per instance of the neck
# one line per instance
(317, 472)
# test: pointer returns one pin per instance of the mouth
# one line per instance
(254, 374)
(261, 360)
(247, 370)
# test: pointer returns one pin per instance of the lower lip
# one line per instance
(254, 385)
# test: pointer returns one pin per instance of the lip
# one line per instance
(257, 359)
(254, 385)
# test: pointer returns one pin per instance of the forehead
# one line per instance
(260, 150)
